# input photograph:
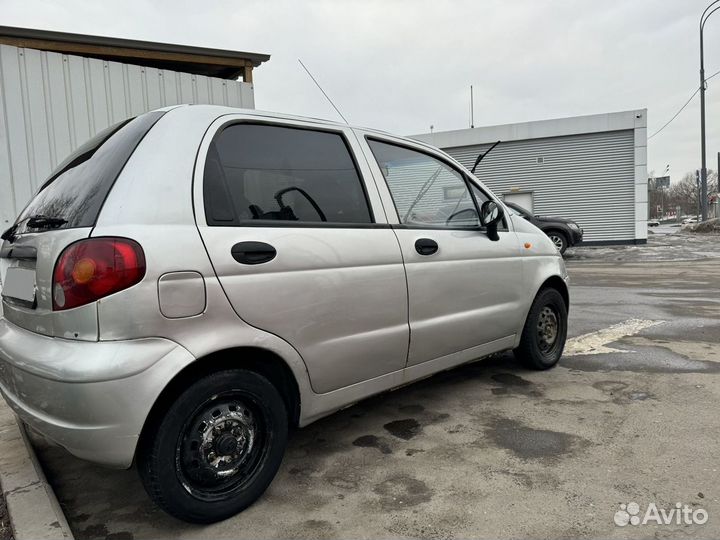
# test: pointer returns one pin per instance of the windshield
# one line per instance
(74, 193)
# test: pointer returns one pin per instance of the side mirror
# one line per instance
(491, 213)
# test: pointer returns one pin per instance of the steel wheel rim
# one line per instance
(221, 446)
(548, 328)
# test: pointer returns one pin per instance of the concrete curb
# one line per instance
(35, 513)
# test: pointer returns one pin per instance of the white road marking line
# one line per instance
(594, 342)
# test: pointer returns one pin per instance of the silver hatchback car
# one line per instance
(193, 283)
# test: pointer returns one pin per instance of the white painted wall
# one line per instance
(51, 103)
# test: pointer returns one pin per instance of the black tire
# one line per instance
(559, 239)
(536, 349)
(216, 448)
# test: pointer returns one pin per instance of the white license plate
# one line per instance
(19, 284)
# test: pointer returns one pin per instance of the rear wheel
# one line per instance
(543, 337)
(217, 447)
(559, 239)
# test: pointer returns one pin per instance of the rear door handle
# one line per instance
(253, 252)
(425, 246)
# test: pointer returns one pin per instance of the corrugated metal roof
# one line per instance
(206, 61)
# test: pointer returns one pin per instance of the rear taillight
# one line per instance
(91, 269)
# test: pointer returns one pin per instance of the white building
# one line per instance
(57, 90)
(592, 169)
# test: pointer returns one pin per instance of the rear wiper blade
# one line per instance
(9, 233)
(36, 222)
(40, 221)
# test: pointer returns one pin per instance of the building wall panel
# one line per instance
(7, 192)
(586, 177)
(136, 85)
(17, 122)
(80, 127)
(52, 103)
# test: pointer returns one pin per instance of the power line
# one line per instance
(683, 107)
(676, 114)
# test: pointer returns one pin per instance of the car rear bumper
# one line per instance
(92, 398)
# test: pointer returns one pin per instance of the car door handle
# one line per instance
(425, 246)
(253, 252)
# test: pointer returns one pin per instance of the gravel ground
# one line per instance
(5, 529)
(665, 244)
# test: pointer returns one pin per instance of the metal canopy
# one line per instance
(197, 60)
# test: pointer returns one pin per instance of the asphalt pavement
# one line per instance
(626, 421)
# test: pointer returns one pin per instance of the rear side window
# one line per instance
(76, 190)
(263, 173)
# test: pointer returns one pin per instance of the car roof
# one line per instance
(215, 111)
(220, 110)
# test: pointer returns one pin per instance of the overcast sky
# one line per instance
(404, 65)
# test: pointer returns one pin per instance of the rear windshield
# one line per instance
(76, 190)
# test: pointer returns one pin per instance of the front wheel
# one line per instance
(543, 336)
(216, 448)
(559, 239)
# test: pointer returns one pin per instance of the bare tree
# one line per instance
(685, 192)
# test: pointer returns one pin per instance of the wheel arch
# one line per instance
(262, 361)
(553, 281)
(557, 229)
(558, 283)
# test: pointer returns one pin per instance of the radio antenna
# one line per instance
(323, 91)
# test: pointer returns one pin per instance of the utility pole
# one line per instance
(717, 190)
(697, 183)
(703, 166)
(472, 109)
(662, 202)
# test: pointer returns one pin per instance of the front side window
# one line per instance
(426, 191)
(256, 173)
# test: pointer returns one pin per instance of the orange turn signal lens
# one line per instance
(83, 271)
(528, 245)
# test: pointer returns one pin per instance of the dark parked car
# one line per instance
(563, 232)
